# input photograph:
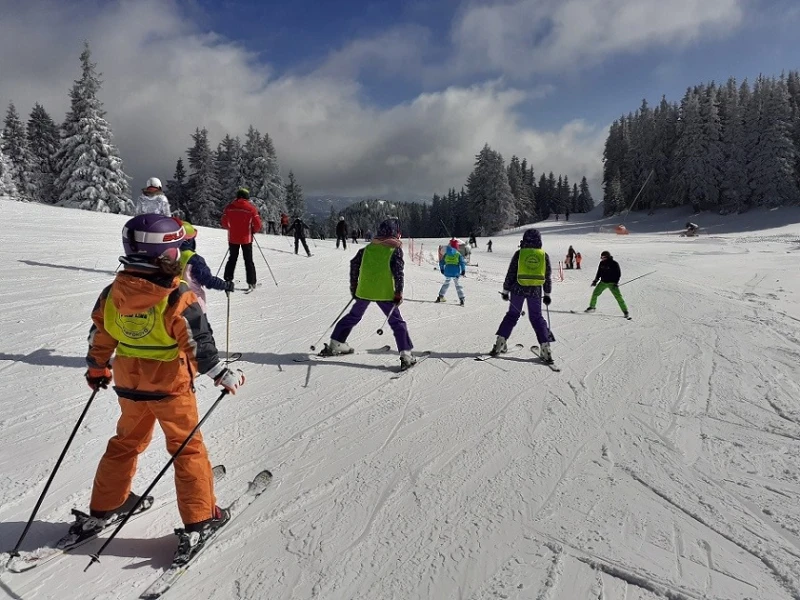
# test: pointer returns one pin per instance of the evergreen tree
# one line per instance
(228, 165)
(585, 200)
(543, 198)
(15, 147)
(665, 119)
(773, 164)
(178, 193)
(270, 188)
(574, 199)
(205, 199)
(295, 202)
(43, 143)
(692, 175)
(8, 189)
(734, 190)
(90, 169)
(491, 204)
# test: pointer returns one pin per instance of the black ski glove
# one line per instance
(229, 287)
(505, 295)
(594, 283)
(546, 300)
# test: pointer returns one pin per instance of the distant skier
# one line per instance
(284, 224)
(691, 229)
(528, 279)
(195, 271)
(153, 200)
(473, 241)
(452, 266)
(566, 214)
(608, 274)
(376, 275)
(578, 259)
(355, 234)
(341, 233)
(242, 220)
(161, 338)
(271, 227)
(489, 246)
(570, 257)
(299, 228)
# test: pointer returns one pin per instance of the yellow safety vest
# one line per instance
(186, 256)
(531, 267)
(375, 279)
(142, 335)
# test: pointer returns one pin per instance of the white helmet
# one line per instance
(154, 182)
(341, 218)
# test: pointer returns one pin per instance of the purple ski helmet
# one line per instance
(152, 235)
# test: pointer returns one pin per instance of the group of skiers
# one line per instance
(573, 260)
(152, 318)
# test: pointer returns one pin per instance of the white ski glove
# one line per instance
(224, 377)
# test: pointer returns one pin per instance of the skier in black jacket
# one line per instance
(608, 274)
(341, 233)
(298, 227)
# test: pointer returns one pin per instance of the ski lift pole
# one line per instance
(637, 195)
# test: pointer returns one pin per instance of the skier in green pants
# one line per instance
(608, 274)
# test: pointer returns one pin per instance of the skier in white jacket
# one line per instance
(153, 199)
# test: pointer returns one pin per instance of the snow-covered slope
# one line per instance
(662, 462)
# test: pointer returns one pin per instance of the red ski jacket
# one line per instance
(242, 220)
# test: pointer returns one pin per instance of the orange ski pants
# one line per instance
(194, 481)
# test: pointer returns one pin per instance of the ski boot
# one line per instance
(441, 299)
(590, 309)
(335, 348)
(545, 354)
(500, 346)
(461, 301)
(192, 537)
(407, 360)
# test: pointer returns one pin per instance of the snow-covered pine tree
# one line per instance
(8, 189)
(43, 143)
(734, 191)
(585, 200)
(205, 202)
(520, 191)
(614, 153)
(491, 204)
(295, 202)
(177, 192)
(665, 117)
(90, 176)
(773, 179)
(543, 197)
(574, 199)
(15, 147)
(693, 178)
(640, 156)
(228, 164)
(269, 185)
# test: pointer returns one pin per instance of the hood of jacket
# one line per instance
(134, 292)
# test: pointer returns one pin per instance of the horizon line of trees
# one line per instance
(725, 148)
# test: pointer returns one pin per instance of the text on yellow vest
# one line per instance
(141, 335)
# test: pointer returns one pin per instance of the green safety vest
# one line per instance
(186, 256)
(531, 267)
(142, 335)
(452, 259)
(375, 280)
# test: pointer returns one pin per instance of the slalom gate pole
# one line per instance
(96, 556)
(222, 263)
(265, 260)
(635, 278)
(336, 320)
(386, 320)
(15, 551)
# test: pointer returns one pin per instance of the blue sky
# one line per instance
(385, 98)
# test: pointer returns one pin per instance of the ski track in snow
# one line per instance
(662, 462)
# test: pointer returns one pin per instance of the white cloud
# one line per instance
(521, 37)
(163, 77)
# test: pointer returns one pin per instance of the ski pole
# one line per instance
(228, 330)
(635, 278)
(521, 313)
(96, 556)
(15, 551)
(222, 263)
(314, 346)
(380, 329)
(265, 260)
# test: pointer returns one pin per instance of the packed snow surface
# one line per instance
(662, 462)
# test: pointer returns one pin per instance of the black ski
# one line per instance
(575, 312)
(421, 357)
(323, 354)
(511, 350)
(71, 541)
(552, 365)
(168, 578)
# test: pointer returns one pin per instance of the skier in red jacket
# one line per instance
(242, 220)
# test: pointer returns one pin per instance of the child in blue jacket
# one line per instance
(452, 266)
